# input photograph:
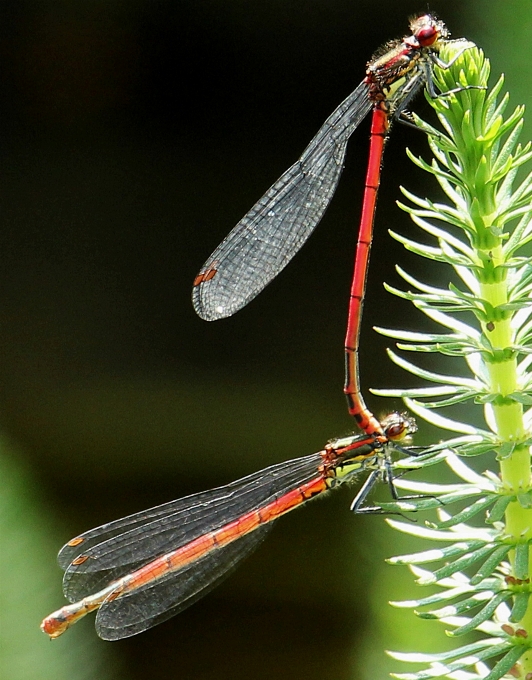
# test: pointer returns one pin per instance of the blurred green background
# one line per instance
(134, 135)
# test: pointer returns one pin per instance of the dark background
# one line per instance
(134, 135)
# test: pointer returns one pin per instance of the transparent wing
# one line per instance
(150, 605)
(96, 558)
(272, 232)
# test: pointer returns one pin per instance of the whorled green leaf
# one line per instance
(483, 560)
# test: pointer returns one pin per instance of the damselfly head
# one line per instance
(428, 29)
(398, 426)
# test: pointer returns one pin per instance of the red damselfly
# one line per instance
(141, 570)
(272, 232)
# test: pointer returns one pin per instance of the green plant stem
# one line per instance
(508, 415)
(515, 470)
(502, 366)
(477, 161)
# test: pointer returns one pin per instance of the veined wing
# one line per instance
(102, 555)
(271, 233)
(154, 603)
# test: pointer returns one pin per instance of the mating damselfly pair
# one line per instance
(143, 569)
